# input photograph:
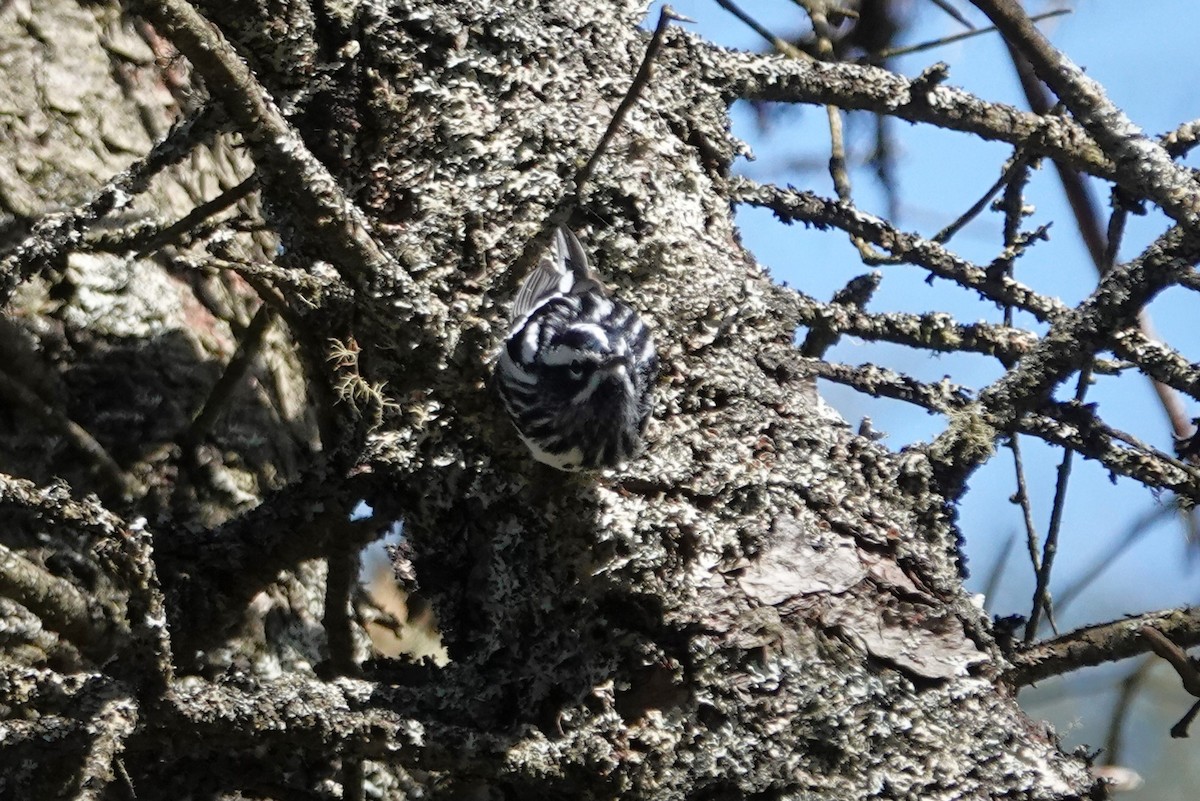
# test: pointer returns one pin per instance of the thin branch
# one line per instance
(199, 215)
(1070, 342)
(854, 296)
(1032, 540)
(1080, 430)
(558, 216)
(1015, 164)
(1105, 642)
(19, 396)
(751, 76)
(880, 382)
(957, 15)
(1180, 141)
(1175, 657)
(1141, 164)
(997, 573)
(1157, 360)
(1136, 530)
(640, 81)
(1042, 601)
(1180, 729)
(1130, 686)
(790, 204)
(303, 715)
(877, 58)
(782, 45)
(936, 331)
(249, 346)
(212, 575)
(147, 236)
(59, 605)
(110, 727)
(285, 164)
(55, 234)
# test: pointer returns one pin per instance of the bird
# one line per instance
(577, 369)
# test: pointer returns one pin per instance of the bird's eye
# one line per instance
(575, 368)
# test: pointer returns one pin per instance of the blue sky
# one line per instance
(1146, 57)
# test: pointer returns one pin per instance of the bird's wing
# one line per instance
(564, 269)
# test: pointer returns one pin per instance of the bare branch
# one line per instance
(60, 606)
(1141, 164)
(772, 78)
(280, 153)
(1069, 343)
(57, 233)
(790, 204)
(1105, 642)
(1077, 428)
(935, 331)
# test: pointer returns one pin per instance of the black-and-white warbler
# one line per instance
(577, 371)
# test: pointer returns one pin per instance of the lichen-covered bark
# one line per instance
(765, 605)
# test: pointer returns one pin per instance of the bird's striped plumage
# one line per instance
(577, 370)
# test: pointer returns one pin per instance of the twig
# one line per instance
(1158, 361)
(877, 58)
(56, 233)
(880, 382)
(1175, 657)
(1130, 686)
(249, 346)
(304, 715)
(147, 236)
(109, 728)
(855, 295)
(782, 45)
(997, 572)
(790, 204)
(1105, 642)
(1142, 164)
(944, 5)
(59, 605)
(936, 331)
(20, 396)
(1015, 164)
(1079, 429)
(837, 145)
(1136, 530)
(1042, 601)
(1186, 668)
(1013, 180)
(1181, 140)
(1032, 540)
(1180, 729)
(851, 87)
(199, 215)
(311, 290)
(640, 80)
(212, 575)
(285, 163)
